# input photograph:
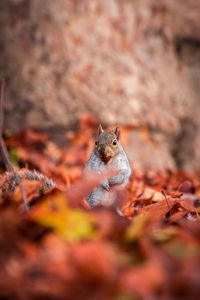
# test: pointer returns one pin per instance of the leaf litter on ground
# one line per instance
(61, 249)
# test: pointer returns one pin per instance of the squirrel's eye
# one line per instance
(96, 143)
(114, 143)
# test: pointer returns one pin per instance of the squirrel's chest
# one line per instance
(118, 162)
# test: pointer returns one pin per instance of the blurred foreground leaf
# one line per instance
(137, 227)
(71, 224)
(182, 249)
(164, 234)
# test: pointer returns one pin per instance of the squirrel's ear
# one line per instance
(100, 130)
(117, 132)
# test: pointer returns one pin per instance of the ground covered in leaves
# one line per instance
(60, 249)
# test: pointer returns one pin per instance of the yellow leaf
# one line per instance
(164, 234)
(136, 229)
(71, 224)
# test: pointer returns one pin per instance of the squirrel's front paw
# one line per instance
(105, 185)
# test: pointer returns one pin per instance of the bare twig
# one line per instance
(163, 192)
(5, 151)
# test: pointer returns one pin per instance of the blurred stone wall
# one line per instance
(128, 62)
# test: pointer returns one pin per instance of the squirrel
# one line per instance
(107, 152)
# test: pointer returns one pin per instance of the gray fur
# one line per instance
(118, 162)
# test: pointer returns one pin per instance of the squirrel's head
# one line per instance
(106, 144)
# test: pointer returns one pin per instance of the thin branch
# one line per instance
(163, 192)
(5, 151)
(1, 105)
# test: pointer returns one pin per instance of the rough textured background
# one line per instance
(128, 62)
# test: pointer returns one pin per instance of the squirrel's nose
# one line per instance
(104, 151)
(101, 151)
